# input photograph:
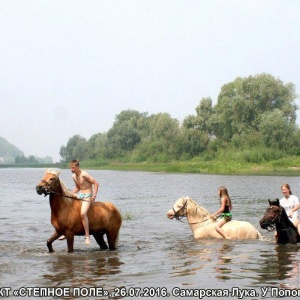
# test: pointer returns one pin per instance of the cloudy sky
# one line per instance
(69, 67)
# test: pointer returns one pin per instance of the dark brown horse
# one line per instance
(276, 217)
(104, 217)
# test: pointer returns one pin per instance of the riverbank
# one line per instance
(279, 167)
(289, 166)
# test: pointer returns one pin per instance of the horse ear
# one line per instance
(57, 174)
(277, 201)
(269, 202)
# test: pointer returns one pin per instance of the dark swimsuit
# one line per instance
(226, 214)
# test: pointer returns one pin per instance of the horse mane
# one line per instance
(196, 208)
(65, 190)
(53, 172)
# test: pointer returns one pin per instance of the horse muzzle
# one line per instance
(170, 214)
(263, 224)
(40, 189)
(267, 225)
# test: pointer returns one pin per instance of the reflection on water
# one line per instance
(223, 266)
(153, 251)
(281, 263)
(81, 269)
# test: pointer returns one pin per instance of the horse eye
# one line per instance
(52, 179)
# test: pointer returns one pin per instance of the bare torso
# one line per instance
(83, 183)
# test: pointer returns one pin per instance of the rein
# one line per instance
(272, 225)
(179, 218)
(48, 191)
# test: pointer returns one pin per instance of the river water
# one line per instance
(156, 258)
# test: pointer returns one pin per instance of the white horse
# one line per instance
(203, 226)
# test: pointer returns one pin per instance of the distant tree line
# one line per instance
(26, 160)
(256, 113)
(22, 159)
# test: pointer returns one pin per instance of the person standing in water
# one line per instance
(224, 210)
(86, 188)
(291, 205)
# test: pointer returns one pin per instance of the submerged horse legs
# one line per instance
(100, 241)
(112, 238)
(70, 242)
(53, 237)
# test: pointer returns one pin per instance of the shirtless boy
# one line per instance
(86, 188)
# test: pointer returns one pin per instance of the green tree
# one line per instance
(276, 130)
(125, 133)
(26, 160)
(242, 103)
(97, 146)
(197, 129)
(76, 148)
(163, 141)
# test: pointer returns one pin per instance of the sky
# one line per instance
(69, 67)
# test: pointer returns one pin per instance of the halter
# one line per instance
(272, 225)
(176, 213)
(48, 186)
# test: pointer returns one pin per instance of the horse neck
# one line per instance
(284, 222)
(287, 232)
(196, 214)
(58, 203)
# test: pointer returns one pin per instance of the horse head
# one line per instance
(49, 183)
(179, 209)
(272, 215)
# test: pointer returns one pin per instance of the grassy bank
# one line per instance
(288, 166)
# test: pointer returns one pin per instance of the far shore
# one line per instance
(196, 167)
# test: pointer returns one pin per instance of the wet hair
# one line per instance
(74, 162)
(287, 186)
(224, 193)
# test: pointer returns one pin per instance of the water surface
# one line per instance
(154, 252)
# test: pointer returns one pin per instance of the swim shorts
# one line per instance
(83, 196)
(226, 216)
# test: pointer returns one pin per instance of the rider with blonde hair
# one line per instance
(224, 210)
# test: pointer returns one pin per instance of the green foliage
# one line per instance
(26, 160)
(242, 103)
(76, 148)
(253, 122)
(276, 131)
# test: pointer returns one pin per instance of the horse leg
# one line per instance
(70, 242)
(112, 238)
(53, 237)
(100, 241)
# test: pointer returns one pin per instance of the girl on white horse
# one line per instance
(224, 210)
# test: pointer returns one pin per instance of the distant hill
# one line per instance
(8, 151)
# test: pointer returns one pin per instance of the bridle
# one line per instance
(176, 213)
(179, 218)
(47, 186)
(49, 191)
(276, 218)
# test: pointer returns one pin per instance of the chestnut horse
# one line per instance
(203, 226)
(104, 217)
